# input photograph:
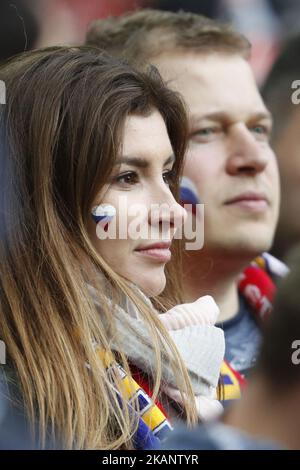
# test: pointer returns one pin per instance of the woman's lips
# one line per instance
(253, 202)
(159, 251)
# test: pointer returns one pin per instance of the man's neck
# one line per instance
(283, 243)
(207, 275)
(263, 416)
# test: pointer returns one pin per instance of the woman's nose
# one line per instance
(167, 212)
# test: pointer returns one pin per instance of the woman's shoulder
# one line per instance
(8, 388)
(14, 426)
(3, 398)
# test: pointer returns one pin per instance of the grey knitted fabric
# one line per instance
(201, 347)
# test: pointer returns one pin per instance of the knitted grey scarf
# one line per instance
(201, 347)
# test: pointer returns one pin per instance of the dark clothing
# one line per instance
(15, 430)
(215, 436)
(242, 339)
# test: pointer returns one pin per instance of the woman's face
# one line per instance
(146, 211)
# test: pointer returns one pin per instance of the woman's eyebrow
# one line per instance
(141, 162)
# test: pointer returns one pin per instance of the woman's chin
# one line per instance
(153, 285)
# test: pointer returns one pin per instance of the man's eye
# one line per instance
(205, 134)
(128, 178)
(206, 131)
(261, 130)
(169, 177)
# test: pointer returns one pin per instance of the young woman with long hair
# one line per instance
(81, 130)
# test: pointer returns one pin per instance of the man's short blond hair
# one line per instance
(144, 34)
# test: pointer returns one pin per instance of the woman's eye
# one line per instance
(128, 178)
(169, 177)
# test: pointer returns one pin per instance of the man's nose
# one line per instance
(246, 154)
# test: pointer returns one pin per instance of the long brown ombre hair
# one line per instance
(63, 124)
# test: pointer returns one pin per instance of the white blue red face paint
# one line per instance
(103, 214)
(189, 194)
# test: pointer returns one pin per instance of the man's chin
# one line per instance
(244, 244)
